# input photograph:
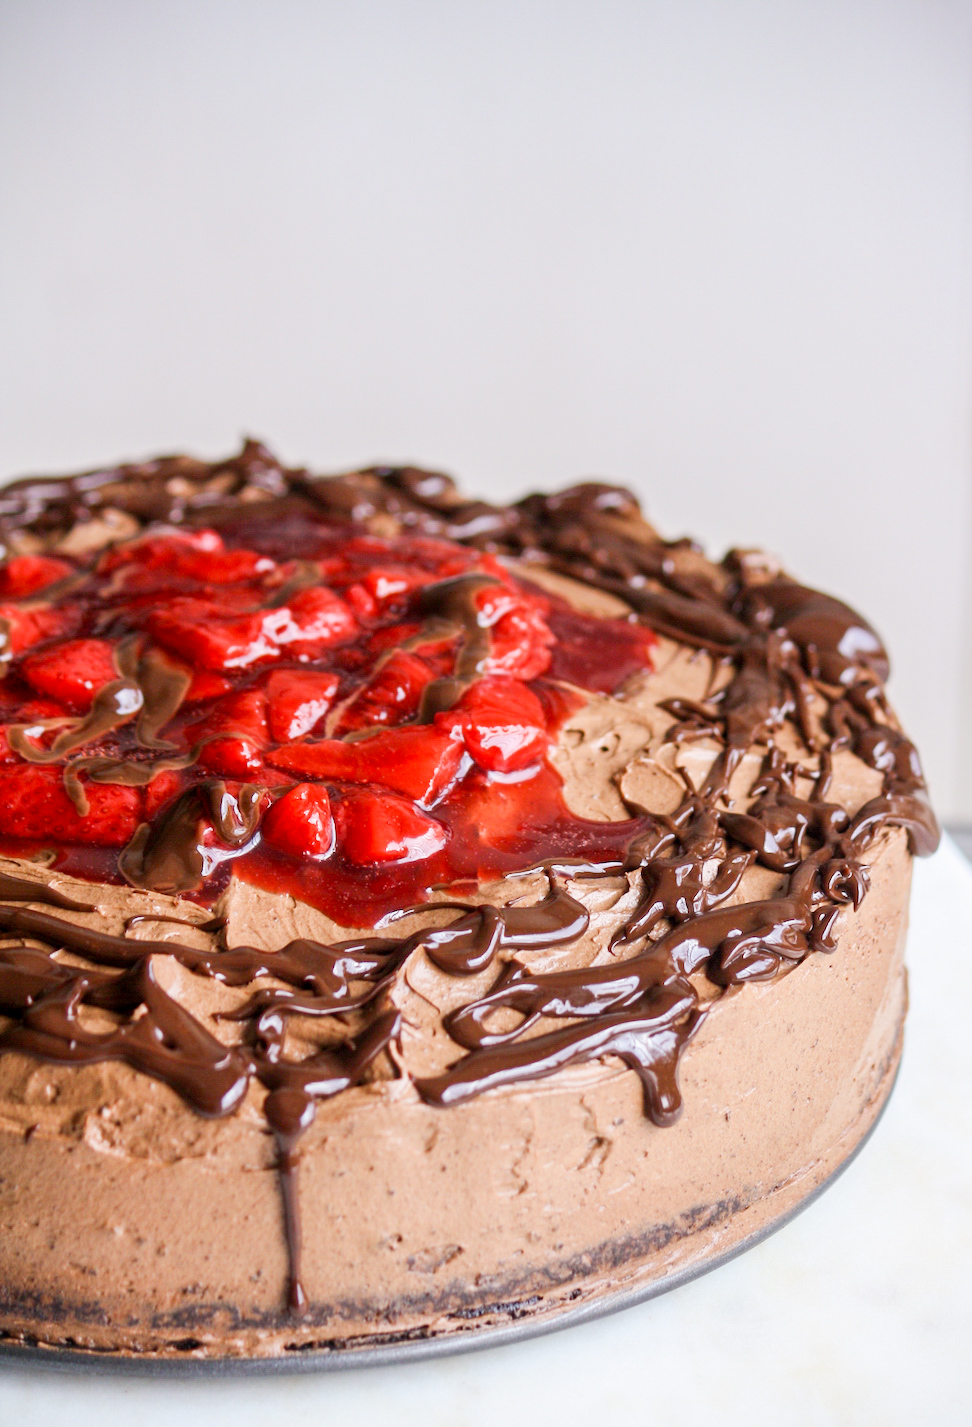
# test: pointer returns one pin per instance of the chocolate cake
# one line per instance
(419, 915)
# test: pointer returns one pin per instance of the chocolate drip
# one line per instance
(163, 686)
(21, 889)
(166, 1042)
(649, 1043)
(114, 705)
(451, 603)
(793, 654)
(161, 1039)
(206, 826)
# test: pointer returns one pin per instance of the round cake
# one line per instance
(419, 916)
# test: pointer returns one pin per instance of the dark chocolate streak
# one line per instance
(789, 650)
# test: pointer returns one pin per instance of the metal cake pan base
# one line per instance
(387, 1349)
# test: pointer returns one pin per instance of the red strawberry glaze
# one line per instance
(395, 698)
(25, 575)
(71, 673)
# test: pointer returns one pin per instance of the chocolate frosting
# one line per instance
(786, 654)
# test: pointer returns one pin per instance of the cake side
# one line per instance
(520, 1203)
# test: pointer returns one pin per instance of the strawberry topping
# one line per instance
(21, 629)
(329, 686)
(377, 828)
(72, 673)
(209, 639)
(392, 696)
(421, 762)
(502, 724)
(35, 806)
(180, 556)
(26, 574)
(300, 822)
(297, 700)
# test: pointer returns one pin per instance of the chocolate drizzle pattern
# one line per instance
(789, 655)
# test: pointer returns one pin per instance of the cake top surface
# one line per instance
(410, 714)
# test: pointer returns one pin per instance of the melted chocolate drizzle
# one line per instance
(790, 651)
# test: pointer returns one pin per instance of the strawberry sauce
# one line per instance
(349, 719)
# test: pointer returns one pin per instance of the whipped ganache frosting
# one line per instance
(350, 691)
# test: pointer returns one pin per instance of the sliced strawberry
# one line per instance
(297, 699)
(198, 555)
(26, 574)
(196, 631)
(35, 805)
(235, 732)
(73, 672)
(20, 628)
(210, 639)
(232, 757)
(300, 822)
(382, 586)
(521, 638)
(318, 618)
(420, 762)
(502, 724)
(34, 710)
(206, 685)
(244, 712)
(375, 827)
(193, 629)
(161, 790)
(392, 696)
(393, 636)
(161, 549)
(31, 717)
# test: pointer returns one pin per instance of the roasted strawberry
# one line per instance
(297, 699)
(300, 822)
(380, 827)
(392, 696)
(420, 762)
(73, 672)
(26, 574)
(502, 724)
(36, 806)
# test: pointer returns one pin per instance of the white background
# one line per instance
(718, 249)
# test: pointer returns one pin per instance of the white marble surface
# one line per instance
(858, 1313)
